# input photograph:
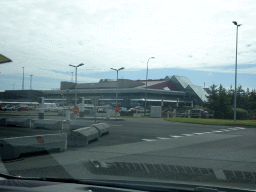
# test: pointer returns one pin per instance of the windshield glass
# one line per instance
(129, 90)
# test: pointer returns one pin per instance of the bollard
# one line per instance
(188, 113)
(168, 113)
(108, 111)
(174, 113)
(68, 115)
(41, 106)
(81, 110)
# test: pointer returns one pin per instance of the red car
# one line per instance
(22, 108)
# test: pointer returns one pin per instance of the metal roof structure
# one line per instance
(197, 90)
(180, 81)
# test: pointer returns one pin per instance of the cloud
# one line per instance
(103, 34)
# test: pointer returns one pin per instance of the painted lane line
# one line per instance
(232, 128)
(207, 132)
(163, 138)
(174, 136)
(239, 127)
(225, 130)
(188, 134)
(149, 139)
(217, 131)
(198, 133)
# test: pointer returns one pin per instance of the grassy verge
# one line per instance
(213, 121)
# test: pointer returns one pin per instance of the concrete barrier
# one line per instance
(48, 124)
(2, 121)
(18, 122)
(103, 128)
(77, 124)
(81, 137)
(11, 148)
(61, 112)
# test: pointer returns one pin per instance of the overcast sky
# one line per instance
(195, 39)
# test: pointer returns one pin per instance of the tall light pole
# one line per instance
(72, 77)
(237, 25)
(117, 79)
(23, 80)
(147, 86)
(31, 82)
(81, 64)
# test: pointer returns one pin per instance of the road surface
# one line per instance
(157, 148)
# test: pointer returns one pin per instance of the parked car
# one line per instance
(123, 109)
(132, 110)
(101, 110)
(10, 108)
(195, 113)
(23, 108)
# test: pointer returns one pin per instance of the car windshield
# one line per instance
(152, 91)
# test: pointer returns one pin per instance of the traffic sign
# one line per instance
(76, 110)
(40, 139)
(116, 108)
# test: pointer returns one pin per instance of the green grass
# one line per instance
(213, 121)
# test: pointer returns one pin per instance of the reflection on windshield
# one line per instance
(110, 90)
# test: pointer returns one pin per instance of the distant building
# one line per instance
(130, 92)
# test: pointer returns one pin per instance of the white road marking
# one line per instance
(240, 127)
(174, 136)
(232, 128)
(163, 138)
(149, 139)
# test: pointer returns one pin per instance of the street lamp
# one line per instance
(23, 80)
(147, 85)
(31, 82)
(62, 100)
(117, 79)
(237, 25)
(81, 64)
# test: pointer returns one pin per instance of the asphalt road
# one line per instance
(152, 148)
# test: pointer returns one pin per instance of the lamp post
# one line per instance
(23, 80)
(31, 82)
(67, 90)
(81, 64)
(147, 85)
(62, 100)
(237, 25)
(117, 79)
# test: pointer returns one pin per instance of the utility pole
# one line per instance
(23, 80)
(31, 82)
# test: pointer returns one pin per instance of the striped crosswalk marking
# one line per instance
(240, 127)
(174, 136)
(149, 139)
(163, 138)
(198, 133)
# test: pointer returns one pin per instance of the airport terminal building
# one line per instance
(130, 92)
